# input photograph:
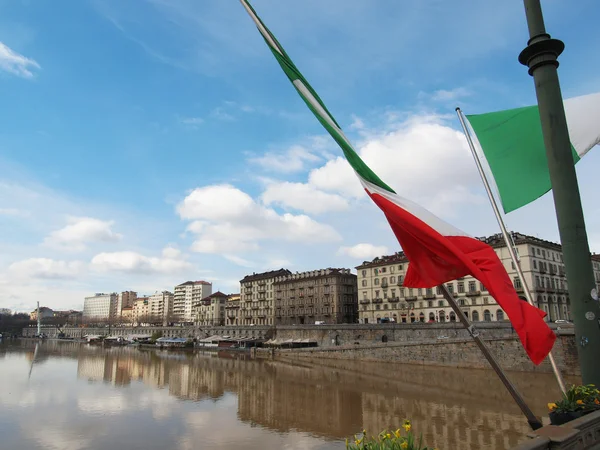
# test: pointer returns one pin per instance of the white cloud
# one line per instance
(303, 197)
(14, 212)
(239, 261)
(220, 114)
(13, 62)
(420, 157)
(132, 262)
(82, 230)
(364, 251)
(45, 268)
(192, 121)
(444, 95)
(229, 221)
(294, 159)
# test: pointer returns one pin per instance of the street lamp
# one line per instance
(540, 56)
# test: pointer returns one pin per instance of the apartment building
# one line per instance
(45, 313)
(141, 310)
(382, 297)
(125, 299)
(210, 311)
(161, 307)
(186, 295)
(100, 307)
(257, 299)
(232, 309)
(317, 296)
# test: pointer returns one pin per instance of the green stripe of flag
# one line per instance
(513, 144)
(314, 102)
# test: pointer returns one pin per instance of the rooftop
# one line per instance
(189, 283)
(312, 274)
(265, 275)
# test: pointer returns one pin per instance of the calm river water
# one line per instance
(73, 396)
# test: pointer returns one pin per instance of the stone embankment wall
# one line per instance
(433, 344)
(451, 352)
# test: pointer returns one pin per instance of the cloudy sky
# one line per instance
(150, 142)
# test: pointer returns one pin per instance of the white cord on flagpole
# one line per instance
(507, 237)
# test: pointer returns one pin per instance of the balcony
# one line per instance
(519, 289)
(393, 300)
(255, 307)
(384, 284)
(365, 302)
(542, 269)
(412, 298)
(473, 293)
(429, 296)
(540, 289)
(377, 300)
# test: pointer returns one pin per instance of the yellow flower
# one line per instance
(388, 435)
(347, 443)
(358, 441)
(404, 445)
(580, 402)
(397, 432)
(551, 406)
(406, 425)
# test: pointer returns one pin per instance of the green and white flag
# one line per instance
(513, 145)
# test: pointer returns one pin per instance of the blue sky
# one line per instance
(148, 142)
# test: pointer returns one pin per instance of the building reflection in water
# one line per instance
(452, 408)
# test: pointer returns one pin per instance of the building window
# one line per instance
(487, 316)
(376, 282)
(376, 294)
(393, 293)
(499, 315)
(392, 269)
(538, 251)
(517, 283)
(473, 301)
(441, 303)
(450, 287)
(419, 292)
(400, 267)
(475, 316)
(430, 304)
(534, 264)
(364, 282)
(472, 286)
(364, 273)
(462, 302)
(438, 290)
(485, 300)
(365, 295)
(461, 287)
(392, 280)
(410, 292)
(402, 292)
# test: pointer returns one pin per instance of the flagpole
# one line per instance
(507, 238)
(533, 421)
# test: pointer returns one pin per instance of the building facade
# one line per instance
(125, 299)
(186, 295)
(382, 297)
(232, 309)
(317, 296)
(257, 299)
(161, 307)
(45, 312)
(210, 311)
(100, 307)
(141, 311)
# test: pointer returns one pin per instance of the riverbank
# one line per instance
(440, 344)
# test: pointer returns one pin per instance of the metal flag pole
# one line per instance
(533, 421)
(507, 238)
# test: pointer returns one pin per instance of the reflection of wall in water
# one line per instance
(445, 425)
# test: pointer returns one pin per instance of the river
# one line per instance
(73, 396)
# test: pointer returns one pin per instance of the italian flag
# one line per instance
(437, 251)
(513, 145)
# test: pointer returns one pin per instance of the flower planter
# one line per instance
(560, 418)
